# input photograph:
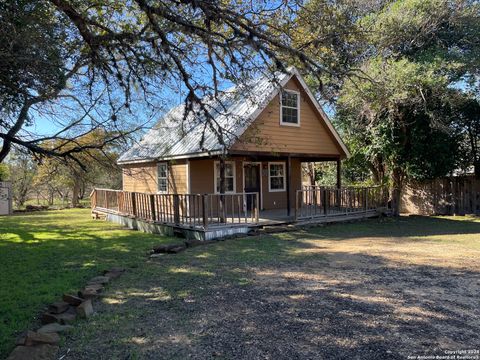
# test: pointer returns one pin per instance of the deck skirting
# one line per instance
(172, 230)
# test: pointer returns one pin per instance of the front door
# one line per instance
(252, 181)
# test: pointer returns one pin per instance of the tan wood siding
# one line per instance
(202, 173)
(143, 177)
(177, 177)
(140, 177)
(311, 137)
(202, 176)
(278, 200)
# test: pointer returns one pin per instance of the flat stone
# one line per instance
(169, 249)
(48, 318)
(20, 340)
(160, 249)
(157, 255)
(193, 242)
(113, 274)
(99, 280)
(85, 309)
(90, 291)
(67, 317)
(86, 294)
(54, 328)
(64, 318)
(36, 338)
(58, 307)
(39, 352)
(177, 249)
(95, 287)
(72, 299)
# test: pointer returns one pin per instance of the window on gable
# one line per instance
(162, 169)
(290, 114)
(229, 177)
(276, 177)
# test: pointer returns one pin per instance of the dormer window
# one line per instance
(290, 108)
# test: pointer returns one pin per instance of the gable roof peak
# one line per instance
(181, 135)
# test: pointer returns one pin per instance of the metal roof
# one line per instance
(179, 135)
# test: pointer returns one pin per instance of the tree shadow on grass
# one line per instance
(43, 255)
(260, 298)
(406, 226)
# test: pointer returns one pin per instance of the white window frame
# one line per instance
(284, 176)
(297, 93)
(215, 177)
(158, 177)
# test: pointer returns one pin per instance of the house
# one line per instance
(265, 131)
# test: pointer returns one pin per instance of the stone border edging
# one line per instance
(42, 344)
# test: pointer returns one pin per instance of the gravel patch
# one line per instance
(358, 298)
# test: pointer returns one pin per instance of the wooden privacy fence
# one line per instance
(444, 196)
(318, 201)
(189, 210)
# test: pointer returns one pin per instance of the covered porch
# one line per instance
(211, 216)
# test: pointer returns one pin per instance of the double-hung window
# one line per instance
(290, 108)
(276, 176)
(229, 177)
(162, 177)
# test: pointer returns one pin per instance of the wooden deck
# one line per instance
(211, 216)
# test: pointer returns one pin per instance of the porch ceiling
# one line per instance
(280, 156)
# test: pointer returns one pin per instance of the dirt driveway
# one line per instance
(381, 289)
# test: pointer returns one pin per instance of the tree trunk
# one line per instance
(82, 191)
(311, 173)
(7, 142)
(51, 195)
(75, 192)
(377, 169)
(397, 188)
(375, 173)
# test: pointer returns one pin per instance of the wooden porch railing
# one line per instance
(318, 201)
(190, 210)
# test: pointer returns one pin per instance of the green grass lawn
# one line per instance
(45, 254)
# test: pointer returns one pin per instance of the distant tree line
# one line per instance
(50, 181)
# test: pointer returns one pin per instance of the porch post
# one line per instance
(289, 175)
(339, 183)
(339, 173)
(221, 204)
